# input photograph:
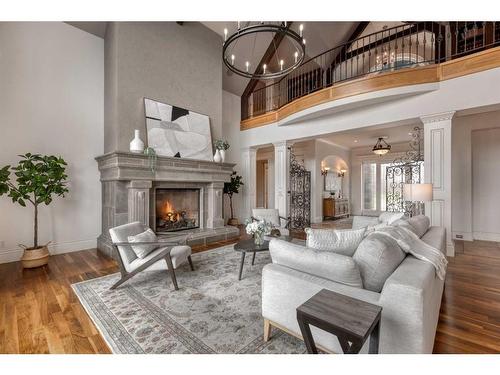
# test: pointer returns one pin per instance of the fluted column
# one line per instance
(249, 174)
(281, 177)
(138, 201)
(437, 168)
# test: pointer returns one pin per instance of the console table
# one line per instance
(350, 319)
(334, 208)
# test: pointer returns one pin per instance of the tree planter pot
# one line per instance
(35, 257)
(233, 222)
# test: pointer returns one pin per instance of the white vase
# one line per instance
(137, 145)
(217, 156)
(222, 155)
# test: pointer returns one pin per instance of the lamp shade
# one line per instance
(417, 192)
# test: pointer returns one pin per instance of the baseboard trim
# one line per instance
(14, 255)
(486, 236)
(466, 236)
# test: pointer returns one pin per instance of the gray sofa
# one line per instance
(410, 298)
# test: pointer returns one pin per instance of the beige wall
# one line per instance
(51, 102)
(464, 198)
(178, 65)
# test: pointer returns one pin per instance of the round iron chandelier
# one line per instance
(238, 49)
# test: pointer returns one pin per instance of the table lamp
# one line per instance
(418, 194)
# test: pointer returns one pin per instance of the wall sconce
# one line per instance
(324, 170)
(342, 173)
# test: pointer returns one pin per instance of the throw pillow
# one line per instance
(420, 223)
(143, 250)
(390, 217)
(324, 264)
(377, 257)
(343, 242)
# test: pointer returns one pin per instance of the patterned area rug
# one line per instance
(212, 312)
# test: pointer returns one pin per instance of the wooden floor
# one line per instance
(39, 313)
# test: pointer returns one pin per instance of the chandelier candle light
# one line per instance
(239, 47)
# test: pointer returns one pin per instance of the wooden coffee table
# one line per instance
(350, 319)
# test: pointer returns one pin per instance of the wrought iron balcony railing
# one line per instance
(402, 47)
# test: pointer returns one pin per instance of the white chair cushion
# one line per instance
(178, 254)
(390, 217)
(343, 242)
(143, 250)
(377, 257)
(121, 233)
(325, 264)
(270, 215)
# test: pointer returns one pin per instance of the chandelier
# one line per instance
(240, 43)
(381, 147)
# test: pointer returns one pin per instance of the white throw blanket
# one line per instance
(411, 243)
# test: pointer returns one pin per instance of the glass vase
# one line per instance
(258, 238)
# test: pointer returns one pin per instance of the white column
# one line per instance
(215, 219)
(281, 177)
(437, 168)
(249, 174)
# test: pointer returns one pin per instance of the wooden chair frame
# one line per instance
(164, 254)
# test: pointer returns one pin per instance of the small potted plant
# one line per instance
(221, 146)
(230, 188)
(38, 179)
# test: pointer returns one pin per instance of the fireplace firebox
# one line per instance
(177, 209)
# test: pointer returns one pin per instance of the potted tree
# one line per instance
(38, 179)
(231, 188)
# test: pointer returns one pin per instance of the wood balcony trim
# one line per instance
(484, 60)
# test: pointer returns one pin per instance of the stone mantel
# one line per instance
(128, 193)
(128, 166)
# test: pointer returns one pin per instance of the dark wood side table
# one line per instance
(350, 319)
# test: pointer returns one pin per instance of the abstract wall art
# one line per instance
(175, 131)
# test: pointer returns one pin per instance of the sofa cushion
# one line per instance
(377, 257)
(364, 221)
(343, 242)
(143, 250)
(390, 217)
(420, 223)
(325, 264)
(405, 224)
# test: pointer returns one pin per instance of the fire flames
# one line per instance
(170, 214)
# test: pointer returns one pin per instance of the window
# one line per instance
(369, 183)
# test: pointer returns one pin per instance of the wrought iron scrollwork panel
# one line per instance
(407, 169)
(300, 194)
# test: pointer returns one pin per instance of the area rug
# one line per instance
(212, 312)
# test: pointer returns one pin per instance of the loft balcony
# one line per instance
(414, 53)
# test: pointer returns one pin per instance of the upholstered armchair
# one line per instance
(272, 215)
(168, 256)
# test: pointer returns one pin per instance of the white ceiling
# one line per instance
(95, 28)
(368, 137)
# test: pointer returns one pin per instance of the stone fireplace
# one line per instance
(180, 197)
